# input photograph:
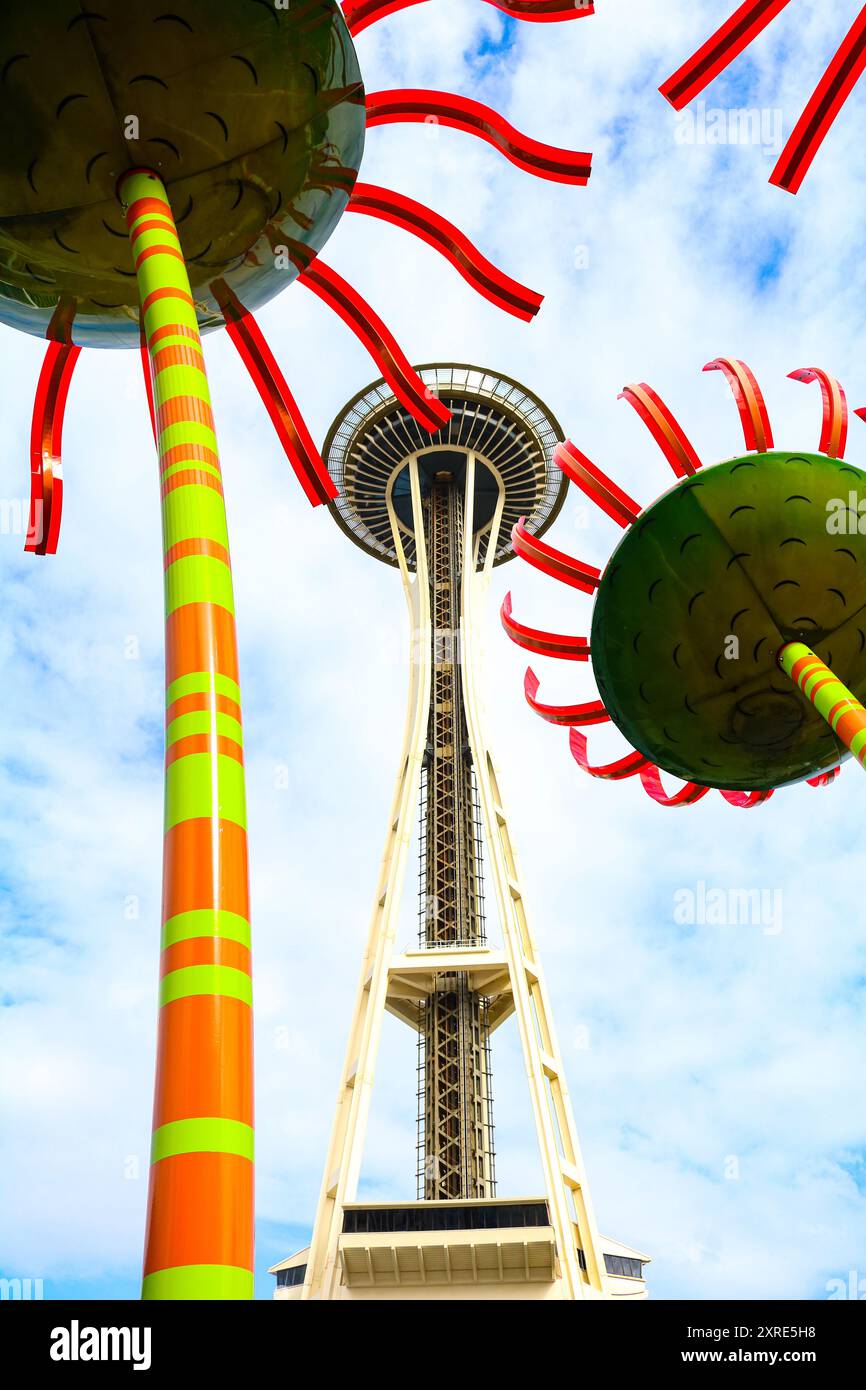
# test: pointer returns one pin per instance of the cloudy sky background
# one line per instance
(693, 1052)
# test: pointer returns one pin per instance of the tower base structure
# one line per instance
(480, 1250)
(440, 510)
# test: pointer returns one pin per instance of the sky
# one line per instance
(716, 1071)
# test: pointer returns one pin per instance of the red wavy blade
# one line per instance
(687, 795)
(593, 712)
(720, 50)
(445, 108)
(597, 486)
(360, 14)
(829, 97)
(553, 562)
(546, 643)
(628, 766)
(444, 237)
(664, 427)
(381, 344)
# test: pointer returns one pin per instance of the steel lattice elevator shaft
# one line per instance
(455, 1111)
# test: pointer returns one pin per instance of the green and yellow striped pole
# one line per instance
(833, 700)
(199, 1242)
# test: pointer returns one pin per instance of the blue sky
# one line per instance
(716, 1072)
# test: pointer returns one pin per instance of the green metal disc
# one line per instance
(700, 595)
(252, 115)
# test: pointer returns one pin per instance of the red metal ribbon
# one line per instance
(462, 113)
(444, 237)
(46, 438)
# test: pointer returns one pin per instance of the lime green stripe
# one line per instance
(189, 790)
(153, 236)
(187, 432)
(167, 313)
(210, 1282)
(199, 515)
(202, 682)
(160, 272)
(200, 721)
(199, 1136)
(198, 579)
(180, 379)
(205, 979)
(205, 921)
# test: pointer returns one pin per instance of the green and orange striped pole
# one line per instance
(199, 1242)
(833, 700)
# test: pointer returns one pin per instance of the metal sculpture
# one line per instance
(718, 590)
(748, 21)
(232, 132)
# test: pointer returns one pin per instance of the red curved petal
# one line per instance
(750, 401)
(629, 766)
(360, 14)
(46, 439)
(546, 643)
(826, 779)
(834, 430)
(591, 713)
(444, 108)
(726, 44)
(652, 785)
(553, 562)
(664, 427)
(278, 400)
(379, 342)
(597, 486)
(829, 97)
(445, 238)
(746, 801)
(545, 11)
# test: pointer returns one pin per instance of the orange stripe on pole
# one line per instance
(203, 743)
(205, 950)
(192, 632)
(184, 453)
(202, 700)
(167, 292)
(155, 224)
(198, 545)
(190, 1028)
(143, 205)
(177, 355)
(156, 251)
(189, 476)
(173, 330)
(189, 868)
(847, 725)
(179, 410)
(190, 1187)
(802, 666)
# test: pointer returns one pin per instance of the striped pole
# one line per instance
(833, 700)
(199, 1242)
